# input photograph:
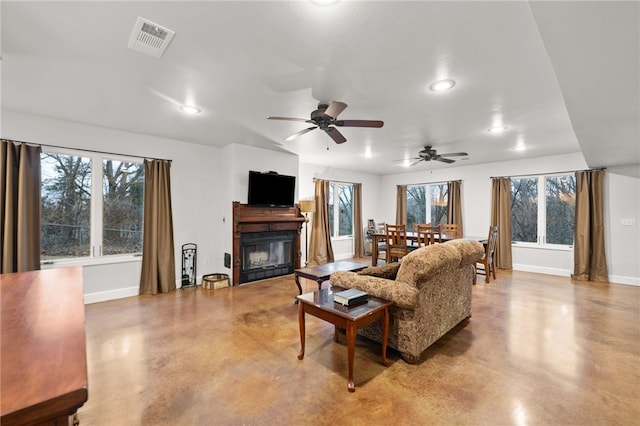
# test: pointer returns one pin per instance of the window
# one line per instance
(423, 209)
(78, 224)
(341, 218)
(543, 210)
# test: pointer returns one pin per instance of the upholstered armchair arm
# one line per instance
(405, 295)
(388, 271)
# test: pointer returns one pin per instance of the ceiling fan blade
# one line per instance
(290, 119)
(454, 154)
(299, 133)
(335, 135)
(414, 163)
(359, 123)
(444, 160)
(335, 108)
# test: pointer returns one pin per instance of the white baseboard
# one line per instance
(542, 270)
(617, 279)
(613, 279)
(103, 296)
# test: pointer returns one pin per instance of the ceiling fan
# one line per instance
(325, 118)
(428, 154)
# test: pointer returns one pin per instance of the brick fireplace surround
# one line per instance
(252, 219)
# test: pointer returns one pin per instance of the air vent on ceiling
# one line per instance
(150, 38)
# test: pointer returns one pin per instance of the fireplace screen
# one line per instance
(266, 254)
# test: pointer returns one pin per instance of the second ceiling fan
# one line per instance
(326, 118)
(428, 154)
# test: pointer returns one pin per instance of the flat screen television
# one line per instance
(271, 189)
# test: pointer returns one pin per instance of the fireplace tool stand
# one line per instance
(189, 258)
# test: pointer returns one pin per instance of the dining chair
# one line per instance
(427, 234)
(382, 243)
(396, 242)
(451, 230)
(414, 244)
(488, 262)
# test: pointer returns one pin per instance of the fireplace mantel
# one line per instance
(260, 219)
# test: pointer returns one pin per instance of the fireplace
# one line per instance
(266, 242)
(266, 254)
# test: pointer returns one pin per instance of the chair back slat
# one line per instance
(427, 234)
(451, 230)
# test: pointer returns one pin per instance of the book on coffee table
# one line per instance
(350, 297)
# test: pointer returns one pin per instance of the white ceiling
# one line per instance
(540, 68)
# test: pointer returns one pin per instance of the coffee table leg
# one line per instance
(320, 281)
(385, 335)
(302, 332)
(297, 279)
(351, 351)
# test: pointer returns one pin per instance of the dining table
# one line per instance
(412, 240)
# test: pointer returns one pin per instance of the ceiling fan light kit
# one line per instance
(325, 118)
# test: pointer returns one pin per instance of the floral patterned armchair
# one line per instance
(431, 288)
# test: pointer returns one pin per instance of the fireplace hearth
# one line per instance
(266, 242)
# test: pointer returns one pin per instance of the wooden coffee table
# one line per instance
(321, 273)
(320, 304)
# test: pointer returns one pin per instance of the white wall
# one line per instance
(622, 201)
(206, 180)
(238, 160)
(195, 182)
(342, 248)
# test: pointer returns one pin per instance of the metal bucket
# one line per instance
(215, 281)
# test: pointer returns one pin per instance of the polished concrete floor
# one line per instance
(538, 350)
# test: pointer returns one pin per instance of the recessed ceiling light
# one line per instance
(190, 109)
(442, 85)
(324, 2)
(497, 129)
(367, 152)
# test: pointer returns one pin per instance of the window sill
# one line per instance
(542, 247)
(89, 261)
(342, 238)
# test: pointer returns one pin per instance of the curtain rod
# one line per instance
(86, 150)
(338, 181)
(432, 183)
(549, 173)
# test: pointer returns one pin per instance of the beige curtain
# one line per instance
(454, 205)
(19, 207)
(158, 261)
(320, 250)
(589, 257)
(401, 205)
(501, 217)
(358, 237)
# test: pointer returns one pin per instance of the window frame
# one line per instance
(95, 256)
(541, 238)
(428, 199)
(334, 189)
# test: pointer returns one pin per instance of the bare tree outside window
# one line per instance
(341, 219)
(543, 209)
(123, 199)
(439, 201)
(561, 209)
(421, 209)
(66, 203)
(416, 205)
(75, 224)
(524, 210)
